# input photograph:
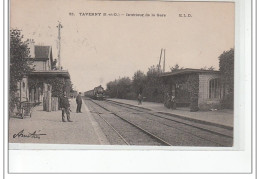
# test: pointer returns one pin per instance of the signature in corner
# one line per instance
(29, 135)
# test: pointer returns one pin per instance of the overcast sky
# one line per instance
(98, 49)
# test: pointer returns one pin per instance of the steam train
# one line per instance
(97, 93)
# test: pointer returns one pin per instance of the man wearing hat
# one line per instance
(79, 102)
(65, 107)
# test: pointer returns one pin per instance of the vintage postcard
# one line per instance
(156, 74)
(122, 73)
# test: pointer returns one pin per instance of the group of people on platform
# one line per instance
(65, 106)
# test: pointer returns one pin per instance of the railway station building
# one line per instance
(36, 86)
(194, 87)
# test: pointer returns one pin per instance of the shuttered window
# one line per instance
(214, 88)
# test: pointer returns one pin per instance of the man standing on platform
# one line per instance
(79, 102)
(140, 98)
(65, 107)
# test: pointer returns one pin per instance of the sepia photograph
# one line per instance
(121, 73)
(125, 86)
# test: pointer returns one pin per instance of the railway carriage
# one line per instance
(97, 93)
(89, 94)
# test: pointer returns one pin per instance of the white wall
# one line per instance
(39, 65)
(204, 101)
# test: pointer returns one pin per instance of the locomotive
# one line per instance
(97, 93)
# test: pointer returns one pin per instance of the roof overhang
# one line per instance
(187, 71)
(51, 73)
(37, 59)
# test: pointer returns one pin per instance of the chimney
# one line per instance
(30, 44)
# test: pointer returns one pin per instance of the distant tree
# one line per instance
(138, 82)
(112, 89)
(206, 68)
(226, 68)
(19, 63)
(153, 71)
(176, 67)
(211, 68)
(120, 88)
(153, 90)
(124, 87)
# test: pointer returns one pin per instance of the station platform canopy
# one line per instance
(186, 71)
(51, 73)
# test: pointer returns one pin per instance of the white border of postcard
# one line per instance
(120, 159)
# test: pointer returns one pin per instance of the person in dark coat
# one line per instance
(65, 107)
(167, 100)
(140, 98)
(79, 102)
(173, 102)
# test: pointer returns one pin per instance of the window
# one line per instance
(214, 88)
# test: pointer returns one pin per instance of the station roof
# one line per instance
(186, 71)
(51, 73)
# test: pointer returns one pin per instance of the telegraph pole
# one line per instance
(164, 62)
(159, 65)
(59, 39)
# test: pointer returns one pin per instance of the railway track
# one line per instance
(213, 134)
(218, 130)
(138, 134)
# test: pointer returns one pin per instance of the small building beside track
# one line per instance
(194, 88)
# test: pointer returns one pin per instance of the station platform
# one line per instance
(83, 130)
(222, 118)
